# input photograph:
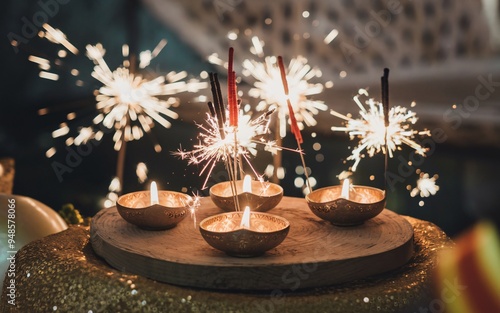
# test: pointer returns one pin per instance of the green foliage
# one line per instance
(72, 216)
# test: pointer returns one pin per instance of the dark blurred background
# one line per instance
(436, 50)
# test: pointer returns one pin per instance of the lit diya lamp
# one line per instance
(346, 205)
(154, 210)
(260, 196)
(244, 234)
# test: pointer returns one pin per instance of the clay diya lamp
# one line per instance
(260, 196)
(154, 210)
(346, 205)
(244, 234)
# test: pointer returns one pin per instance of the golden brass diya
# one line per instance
(260, 196)
(154, 210)
(341, 208)
(244, 234)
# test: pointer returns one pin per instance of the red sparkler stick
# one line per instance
(293, 120)
(236, 100)
(235, 103)
(231, 90)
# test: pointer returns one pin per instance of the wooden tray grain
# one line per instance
(314, 254)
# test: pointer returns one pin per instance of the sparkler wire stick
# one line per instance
(235, 167)
(293, 120)
(217, 110)
(231, 91)
(233, 120)
(212, 109)
(385, 105)
(217, 98)
(120, 163)
(132, 6)
(222, 110)
(278, 156)
(240, 159)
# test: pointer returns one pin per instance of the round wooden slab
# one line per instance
(314, 254)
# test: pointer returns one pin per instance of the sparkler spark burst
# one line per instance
(219, 145)
(371, 130)
(127, 103)
(113, 194)
(426, 186)
(269, 88)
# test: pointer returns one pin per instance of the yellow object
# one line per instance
(468, 276)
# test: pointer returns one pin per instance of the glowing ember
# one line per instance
(331, 36)
(370, 129)
(426, 186)
(154, 194)
(142, 172)
(114, 188)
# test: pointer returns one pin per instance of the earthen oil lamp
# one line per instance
(346, 205)
(244, 234)
(260, 196)
(154, 210)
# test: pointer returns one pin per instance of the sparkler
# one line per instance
(426, 186)
(142, 172)
(232, 140)
(372, 133)
(293, 121)
(217, 144)
(193, 208)
(127, 103)
(233, 106)
(114, 189)
(268, 87)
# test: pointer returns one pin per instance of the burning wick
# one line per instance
(345, 189)
(247, 184)
(154, 194)
(245, 220)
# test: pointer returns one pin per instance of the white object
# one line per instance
(32, 219)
